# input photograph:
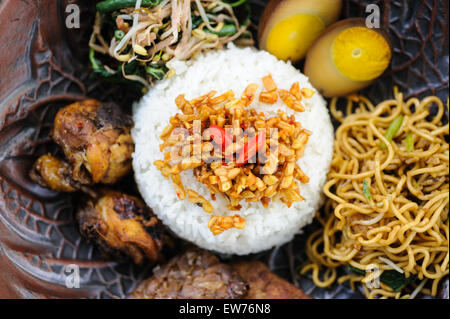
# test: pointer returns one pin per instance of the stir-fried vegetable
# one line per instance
(409, 142)
(132, 40)
(392, 130)
(226, 30)
(392, 278)
(119, 34)
(114, 5)
(366, 189)
(237, 3)
(115, 76)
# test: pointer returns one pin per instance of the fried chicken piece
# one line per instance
(51, 172)
(196, 274)
(96, 141)
(264, 284)
(121, 225)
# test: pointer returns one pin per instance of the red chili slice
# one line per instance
(221, 137)
(251, 148)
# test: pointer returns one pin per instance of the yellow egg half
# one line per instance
(347, 57)
(290, 38)
(288, 28)
(361, 54)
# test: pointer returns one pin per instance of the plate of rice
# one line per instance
(265, 227)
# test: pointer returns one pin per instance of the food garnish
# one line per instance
(220, 136)
(251, 148)
(195, 198)
(218, 224)
(241, 154)
(269, 83)
(288, 28)
(269, 96)
(395, 280)
(409, 142)
(392, 130)
(366, 189)
(291, 101)
(132, 40)
(114, 5)
(347, 57)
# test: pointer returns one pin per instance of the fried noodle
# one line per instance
(387, 197)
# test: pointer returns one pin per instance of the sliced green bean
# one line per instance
(392, 130)
(227, 30)
(366, 189)
(114, 5)
(93, 60)
(409, 142)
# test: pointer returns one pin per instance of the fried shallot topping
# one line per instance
(218, 224)
(236, 151)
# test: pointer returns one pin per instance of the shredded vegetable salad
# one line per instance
(132, 40)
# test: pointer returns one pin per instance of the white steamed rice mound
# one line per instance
(222, 70)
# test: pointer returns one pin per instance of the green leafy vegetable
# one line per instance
(237, 3)
(366, 189)
(392, 130)
(356, 270)
(124, 68)
(114, 5)
(392, 278)
(409, 142)
(196, 21)
(248, 10)
(396, 280)
(157, 72)
(116, 76)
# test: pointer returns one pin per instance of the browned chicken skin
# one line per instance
(97, 144)
(51, 172)
(120, 225)
(96, 141)
(195, 274)
(264, 284)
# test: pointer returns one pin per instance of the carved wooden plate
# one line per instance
(44, 66)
